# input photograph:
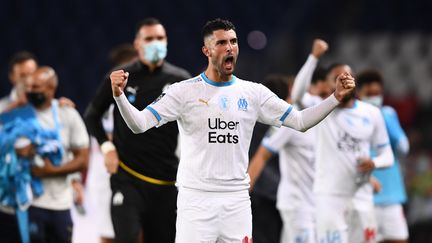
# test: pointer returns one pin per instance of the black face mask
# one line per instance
(36, 99)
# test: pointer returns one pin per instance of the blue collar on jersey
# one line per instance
(218, 84)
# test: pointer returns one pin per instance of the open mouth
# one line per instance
(229, 62)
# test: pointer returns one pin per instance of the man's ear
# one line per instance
(11, 78)
(136, 44)
(206, 51)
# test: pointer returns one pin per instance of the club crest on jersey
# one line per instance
(224, 102)
(242, 104)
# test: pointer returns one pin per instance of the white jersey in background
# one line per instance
(344, 137)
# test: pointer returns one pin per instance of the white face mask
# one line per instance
(376, 100)
(155, 51)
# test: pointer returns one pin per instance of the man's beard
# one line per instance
(220, 67)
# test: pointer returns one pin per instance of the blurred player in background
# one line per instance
(392, 225)
(21, 66)
(343, 141)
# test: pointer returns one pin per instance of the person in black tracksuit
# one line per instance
(143, 166)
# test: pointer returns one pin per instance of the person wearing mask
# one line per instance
(391, 222)
(49, 214)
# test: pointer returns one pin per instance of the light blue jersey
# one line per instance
(393, 189)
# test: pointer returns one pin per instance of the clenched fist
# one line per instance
(118, 81)
(345, 85)
(319, 47)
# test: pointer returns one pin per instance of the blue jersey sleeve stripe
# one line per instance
(154, 112)
(284, 116)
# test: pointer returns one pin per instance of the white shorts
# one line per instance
(209, 217)
(105, 226)
(332, 218)
(391, 222)
(362, 223)
(298, 226)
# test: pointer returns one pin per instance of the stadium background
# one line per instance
(395, 36)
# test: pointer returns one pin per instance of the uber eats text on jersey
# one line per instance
(220, 135)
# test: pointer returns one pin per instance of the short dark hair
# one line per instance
(318, 74)
(278, 84)
(146, 22)
(216, 24)
(369, 76)
(20, 57)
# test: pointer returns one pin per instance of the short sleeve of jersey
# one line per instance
(276, 139)
(272, 109)
(168, 106)
(380, 138)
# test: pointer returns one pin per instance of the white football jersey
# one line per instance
(216, 122)
(297, 167)
(345, 136)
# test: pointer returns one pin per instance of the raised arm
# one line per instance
(137, 121)
(303, 78)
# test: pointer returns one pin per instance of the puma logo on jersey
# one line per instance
(203, 101)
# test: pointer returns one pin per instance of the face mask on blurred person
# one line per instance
(155, 51)
(376, 100)
(36, 99)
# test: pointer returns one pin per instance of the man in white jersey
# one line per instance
(295, 199)
(344, 140)
(216, 113)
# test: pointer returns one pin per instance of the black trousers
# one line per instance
(50, 226)
(138, 205)
(266, 221)
(9, 232)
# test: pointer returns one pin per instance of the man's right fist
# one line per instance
(118, 81)
(319, 48)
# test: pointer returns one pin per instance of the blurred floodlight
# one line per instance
(257, 40)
